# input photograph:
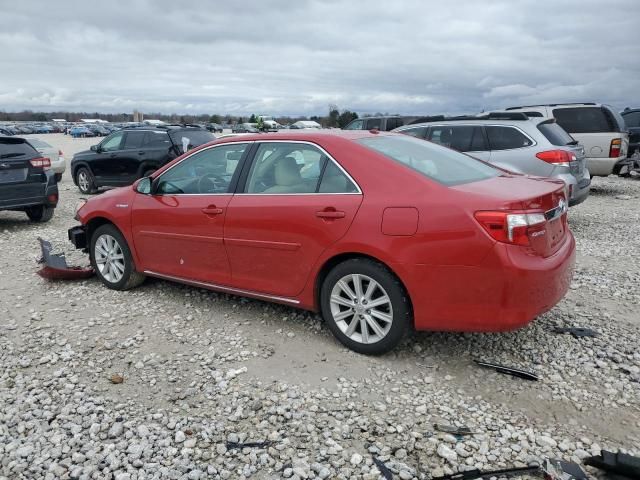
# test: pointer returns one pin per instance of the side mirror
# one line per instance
(143, 186)
(94, 148)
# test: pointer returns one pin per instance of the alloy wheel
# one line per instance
(83, 181)
(361, 308)
(109, 258)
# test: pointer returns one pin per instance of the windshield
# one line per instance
(438, 163)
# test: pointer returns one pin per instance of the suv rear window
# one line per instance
(632, 119)
(586, 120)
(556, 134)
(10, 148)
(441, 164)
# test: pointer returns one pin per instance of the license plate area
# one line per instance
(13, 175)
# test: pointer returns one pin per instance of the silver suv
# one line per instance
(514, 142)
(599, 128)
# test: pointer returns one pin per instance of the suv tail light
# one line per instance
(614, 150)
(513, 228)
(40, 162)
(557, 157)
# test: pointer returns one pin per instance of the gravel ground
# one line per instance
(201, 369)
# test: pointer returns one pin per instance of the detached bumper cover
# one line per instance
(56, 268)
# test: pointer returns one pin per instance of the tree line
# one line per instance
(335, 118)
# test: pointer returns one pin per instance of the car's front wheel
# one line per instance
(112, 260)
(85, 181)
(365, 306)
(40, 213)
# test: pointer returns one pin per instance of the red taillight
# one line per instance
(53, 198)
(41, 162)
(614, 150)
(509, 227)
(557, 157)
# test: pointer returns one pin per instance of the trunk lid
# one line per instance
(15, 166)
(523, 194)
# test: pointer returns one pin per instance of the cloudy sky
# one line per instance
(287, 57)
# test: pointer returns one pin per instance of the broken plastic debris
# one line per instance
(577, 332)
(453, 430)
(383, 469)
(616, 463)
(516, 372)
(55, 265)
(475, 473)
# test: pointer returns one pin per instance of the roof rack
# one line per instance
(550, 105)
(488, 116)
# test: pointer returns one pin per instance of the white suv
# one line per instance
(599, 128)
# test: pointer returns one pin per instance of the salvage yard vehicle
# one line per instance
(27, 183)
(514, 142)
(599, 128)
(58, 163)
(631, 118)
(377, 231)
(132, 153)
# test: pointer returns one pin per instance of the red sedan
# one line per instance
(377, 231)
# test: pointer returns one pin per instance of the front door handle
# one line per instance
(212, 210)
(329, 214)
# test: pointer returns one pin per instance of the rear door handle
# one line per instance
(212, 210)
(329, 214)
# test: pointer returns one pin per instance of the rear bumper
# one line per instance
(579, 187)
(507, 291)
(59, 166)
(21, 195)
(603, 167)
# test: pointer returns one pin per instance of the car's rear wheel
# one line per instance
(40, 213)
(112, 260)
(85, 181)
(365, 306)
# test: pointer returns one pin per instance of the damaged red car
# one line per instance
(379, 232)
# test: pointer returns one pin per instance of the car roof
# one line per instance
(574, 104)
(311, 135)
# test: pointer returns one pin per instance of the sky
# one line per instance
(297, 57)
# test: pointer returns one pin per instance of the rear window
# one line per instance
(556, 134)
(506, 138)
(443, 165)
(39, 143)
(586, 120)
(10, 148)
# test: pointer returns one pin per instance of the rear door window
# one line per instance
(156, 140)
(393, 123)
(555, 134)
(373, 123)
(458, 137)
(478, 142)
(506, 138)
(133, 140)
(585, 119)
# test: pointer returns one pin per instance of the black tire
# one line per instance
(130, 277)
(40, 213)
(90, 186)
(58, 177)
(388, 283)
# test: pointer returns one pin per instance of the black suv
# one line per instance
(132, 153)
(26, 183)
(632, 120)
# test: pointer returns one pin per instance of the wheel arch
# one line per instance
(78, 166)
(331, 262)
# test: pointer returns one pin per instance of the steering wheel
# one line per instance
(211, 183)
